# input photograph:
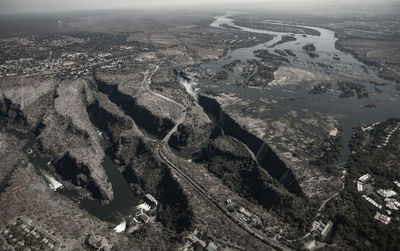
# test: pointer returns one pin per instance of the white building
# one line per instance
(365, 177)
(392, 204)
(382, 218)
(359, 186)
(372, 201)
(245, 212)
(151, 200)
(53, 183)
(387, 193)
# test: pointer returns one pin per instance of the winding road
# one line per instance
(163, 148)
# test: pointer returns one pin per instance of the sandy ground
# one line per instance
(286, 76)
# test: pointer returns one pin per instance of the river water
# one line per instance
(124, 202)
(349, 111)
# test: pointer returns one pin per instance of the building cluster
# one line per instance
(361, 181)
(20, 235)
(149, 204)
(321, 228)
(47, 57)
(386, 141)
(382, 218)
(386, 193)
(372, 201)
(142, 216)
(242, 214)
(197, 237)
(386, 196)
(54, 184)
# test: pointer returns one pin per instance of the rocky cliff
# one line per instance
(266, 157)
(143, 117)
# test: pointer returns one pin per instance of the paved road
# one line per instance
(163, 148)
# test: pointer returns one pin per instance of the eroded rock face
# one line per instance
(79, 174)
(277, 157)
(115, 113)
(25, 101)
(193, 133)
(107, 119)
(147, 116)
(97, 242)
(56, 113)
(12, 111)
(229, 160)
(68, 135)
(266, 156)
(147, 175)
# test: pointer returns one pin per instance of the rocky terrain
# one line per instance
(109, 108)
(279, 155)
(125, 91)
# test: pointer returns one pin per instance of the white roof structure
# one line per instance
(392, 204)
(151, 198)
(387, 193)
(372, 201)
(382, 218)
(365, 177)
(359, 186)
(244, 211)
(53, 183)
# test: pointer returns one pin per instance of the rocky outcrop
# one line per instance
(56, 114)
(194, 133)
(126, 148)
(74, 153)
(97, 242)
(143, 117)
(107, 121)
(79, 174)
(12, 111)
(25, 101)
(230, 161)
(147, 175)
(124, 138)
(266, 156)
(114, 113)
(66, 132)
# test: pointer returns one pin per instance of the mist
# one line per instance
(29, 6)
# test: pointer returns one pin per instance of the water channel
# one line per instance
(124, 202)
(351, 112)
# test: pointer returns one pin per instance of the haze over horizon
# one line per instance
(23, 6)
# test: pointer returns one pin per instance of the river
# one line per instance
(350, 112)
(124, 202)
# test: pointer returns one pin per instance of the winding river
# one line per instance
(124, 202)
(350, 112)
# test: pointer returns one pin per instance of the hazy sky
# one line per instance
(17, 6)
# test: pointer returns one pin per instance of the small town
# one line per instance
(21, 235)
(385, 200)
(71, 64)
